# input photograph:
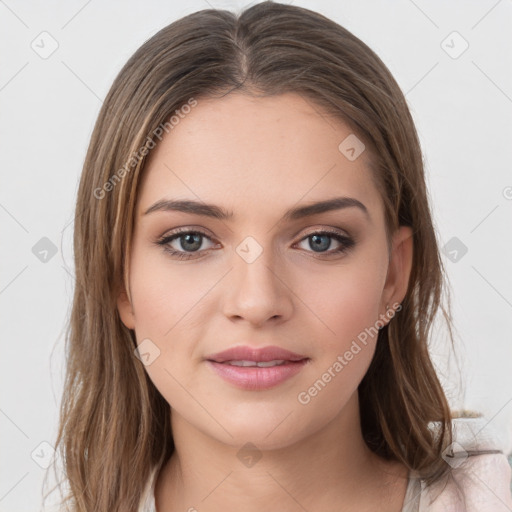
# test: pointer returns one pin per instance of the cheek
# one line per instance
(163, 295)
(347, 301)
(164, 301)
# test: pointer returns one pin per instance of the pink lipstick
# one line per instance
(256, 369)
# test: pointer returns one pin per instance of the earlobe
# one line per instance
(399, 269)
(125, 309)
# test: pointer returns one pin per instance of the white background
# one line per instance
(463, 111)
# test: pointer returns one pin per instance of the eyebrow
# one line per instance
(217, 212)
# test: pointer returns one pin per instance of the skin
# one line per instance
(258, 157)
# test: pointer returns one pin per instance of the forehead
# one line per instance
(258, 155)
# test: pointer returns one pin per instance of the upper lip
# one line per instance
(265, 354)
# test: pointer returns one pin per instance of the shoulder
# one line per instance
(479, 479)
(148, 498)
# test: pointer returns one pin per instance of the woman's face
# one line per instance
(259, 277)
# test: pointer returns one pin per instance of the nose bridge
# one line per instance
(257, 292)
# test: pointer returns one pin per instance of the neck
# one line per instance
(327, 469)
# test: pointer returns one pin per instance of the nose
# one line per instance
(257, 292)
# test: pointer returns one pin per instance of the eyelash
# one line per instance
(346, 242)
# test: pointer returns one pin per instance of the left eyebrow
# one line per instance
(217, 212)
(338, 203)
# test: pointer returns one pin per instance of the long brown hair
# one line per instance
(114, 424)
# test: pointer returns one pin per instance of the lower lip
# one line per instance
(256, 378)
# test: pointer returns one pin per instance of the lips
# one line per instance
(248, 354)
(256, 369)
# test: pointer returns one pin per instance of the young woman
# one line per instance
(256, 278)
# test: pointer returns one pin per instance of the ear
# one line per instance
(124, 306)
(399, 269)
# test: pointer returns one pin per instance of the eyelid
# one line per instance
(183, 230)
(329, 229)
